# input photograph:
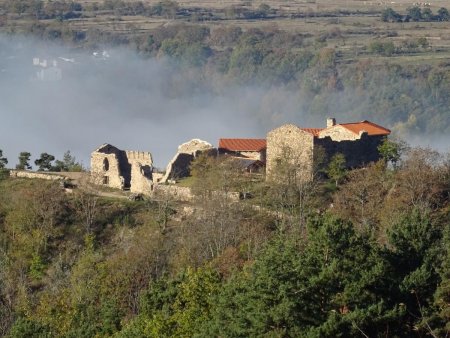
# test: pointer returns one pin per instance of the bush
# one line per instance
(382, 48)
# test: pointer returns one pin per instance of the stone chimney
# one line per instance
(331, 121)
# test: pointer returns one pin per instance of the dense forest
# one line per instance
(361, 253)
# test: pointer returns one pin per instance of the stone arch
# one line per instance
(105, 164)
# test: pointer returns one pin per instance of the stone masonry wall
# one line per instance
(339, 133)
(120, 169)
(33, 174)
(357, 153)
(141, 179)
(179, 166)
(289, 145)
(111, 171)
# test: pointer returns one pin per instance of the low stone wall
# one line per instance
(183, 194)
(34, 174)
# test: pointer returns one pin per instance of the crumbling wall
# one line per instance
(289, 146)
(141, 179)
(121, 169)
(141, 171)
(183, 194)
(142, 157)
(105, 169)
(179, 166)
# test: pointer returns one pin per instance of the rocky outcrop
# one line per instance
(179, 166)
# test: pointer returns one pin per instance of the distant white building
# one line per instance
(49, 74)
(48, 70)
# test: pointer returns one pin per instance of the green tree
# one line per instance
(415, 255)
(443, 14)
(427, 14)
(68, 163)
(382, 48)
(330, 285)
(24, 327)
(44, 163)
(3, 160)
(391, 151)
(337, 168)
(24, 161)
(415, 13)
(389, 15)
(442, 295)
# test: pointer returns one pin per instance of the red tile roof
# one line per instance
(242, 144)
(371, 128)
(314, 131)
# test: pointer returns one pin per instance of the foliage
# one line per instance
(391, 151)
(415, 13)
(389, 15)
(382, 48)
(44, 163)
(3, 160)
(24, 159)
(68, 163)
(336, 168)
(374, 262)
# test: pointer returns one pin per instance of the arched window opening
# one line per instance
(105, 164)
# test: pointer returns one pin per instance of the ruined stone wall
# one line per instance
(179, 166)
(107, 173)
(183, 194)
(141, 179)
(357, 152)
(143, 157)
(290, 146)
(339, 133)
(141, 164)
(120, 169)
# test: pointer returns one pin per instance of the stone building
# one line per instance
(304, 148)
(254, 149)
(120, 169)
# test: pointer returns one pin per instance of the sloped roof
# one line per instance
(371, 128)
(242, 144)
(314, 131)
(106, 148)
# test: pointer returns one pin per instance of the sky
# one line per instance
(123, 99)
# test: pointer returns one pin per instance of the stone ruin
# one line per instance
(120, 169)
(300, 148)
(179, 166)
(133, 170)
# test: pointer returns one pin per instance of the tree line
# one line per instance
(46, 162)
(415, 14)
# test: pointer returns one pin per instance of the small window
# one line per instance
(105, 164)
(105, 180)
